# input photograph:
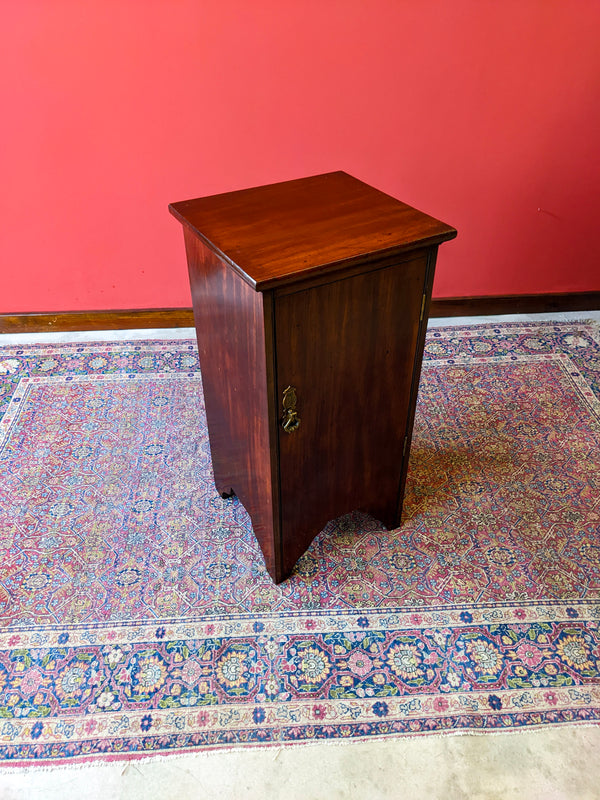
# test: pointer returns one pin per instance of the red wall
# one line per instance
(483, 113)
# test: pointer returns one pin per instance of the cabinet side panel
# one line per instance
(230, 321)
(416, 376)
(348, 348)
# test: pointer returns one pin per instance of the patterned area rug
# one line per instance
(138, 618)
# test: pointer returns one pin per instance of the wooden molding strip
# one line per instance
(184, 318)
(514, 304)
(98, 320)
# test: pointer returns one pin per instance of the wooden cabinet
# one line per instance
(310, 303)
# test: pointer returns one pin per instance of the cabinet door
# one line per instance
(348, 348)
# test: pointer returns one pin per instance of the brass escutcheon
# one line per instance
(290, 419)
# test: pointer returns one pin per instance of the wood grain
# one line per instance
(116, 319)
(230, 325)
(349, 348)
(320, 284)
(276, 234)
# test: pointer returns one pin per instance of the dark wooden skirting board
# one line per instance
(183, 317)
(514, 304)
(98, 320)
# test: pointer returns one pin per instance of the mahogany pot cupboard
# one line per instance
(310, 303)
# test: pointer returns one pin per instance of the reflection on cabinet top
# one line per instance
(285, 232)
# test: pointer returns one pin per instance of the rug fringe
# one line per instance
(131, 760)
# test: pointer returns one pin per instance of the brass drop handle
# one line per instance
(290, 419)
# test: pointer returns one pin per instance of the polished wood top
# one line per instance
(277, 234)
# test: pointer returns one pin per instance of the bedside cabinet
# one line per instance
(310, 304)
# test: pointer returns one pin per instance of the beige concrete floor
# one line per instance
(561, 763)
(549, 764)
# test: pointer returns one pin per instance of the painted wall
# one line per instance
(483, 113)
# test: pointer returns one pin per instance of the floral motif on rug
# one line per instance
(137, 616)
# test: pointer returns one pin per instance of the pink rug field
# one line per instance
(136, 614)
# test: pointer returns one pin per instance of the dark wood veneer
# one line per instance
(347, 352)
(323, 285)
(277, 234)
(232, 346)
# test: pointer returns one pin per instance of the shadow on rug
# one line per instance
(137, 616)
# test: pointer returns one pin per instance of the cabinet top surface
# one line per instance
(288, 231)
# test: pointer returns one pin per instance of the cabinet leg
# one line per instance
(387, 514)
(224, 489)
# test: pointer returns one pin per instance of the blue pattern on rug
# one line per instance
(137, 616)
